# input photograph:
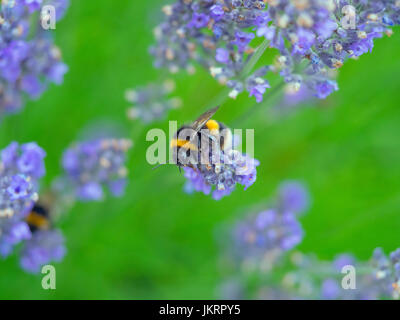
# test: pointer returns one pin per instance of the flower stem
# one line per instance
(254, 59)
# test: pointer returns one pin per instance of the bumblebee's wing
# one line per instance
(202, 120)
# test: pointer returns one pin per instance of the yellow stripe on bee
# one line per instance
(180, 143)
(212, 125)
(37, 220)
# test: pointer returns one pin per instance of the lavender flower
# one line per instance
(330, 289)
(265, 241)
(232, 169)
(222, 55)
(320, 37)
(20, 169)
(366, 286)
(44, 247)
(312, 37)
(293, 197)
(387, 270)
(376, 279)
(242, 40)
(199, 20)
(304, 276)
(90, 166)
(151, 103)
(13, 231)
(21, 166)
(214, 34)
(264, 237)
(195, 29)
(29, 60)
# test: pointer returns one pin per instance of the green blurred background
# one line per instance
(160, 243)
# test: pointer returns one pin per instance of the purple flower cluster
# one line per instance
(265, 241)
(12, 232)
(214, 34)
(266, 235)
(387, 270)
(234, 168)
(304, 276)
(263, 237)
(293, 197)
(312, 37)
(377, 279)
(322, 35)
(330, 287)
(206, 31)
(92, 165)
(255, 84)
(21, 166)
(151, 103)
(45, 246)
(89, 167)
(29, 60)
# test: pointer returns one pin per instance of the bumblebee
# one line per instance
(38, 218)
(188, 143)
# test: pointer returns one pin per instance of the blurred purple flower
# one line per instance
(293, 197)
(269, 233)
(31, 160)
(18, 188)
(217, 12)
(222, 55)
(151, 102)
(29, 60)
(242, 40)
(199, 20)
(13, 232)
(44, 247)
(92, 165)
(330, 289)
(20, 169)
